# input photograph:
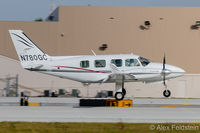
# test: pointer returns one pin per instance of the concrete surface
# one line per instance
(72, 100)
(144, 111)
(99, 114)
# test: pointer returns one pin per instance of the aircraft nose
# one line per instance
(180, 70)
(177, 71)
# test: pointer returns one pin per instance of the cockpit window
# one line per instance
(144, 61)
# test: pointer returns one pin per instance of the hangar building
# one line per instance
(146, 31)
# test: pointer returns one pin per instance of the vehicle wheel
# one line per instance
(166, 93)
(119, 96)
(124, 91)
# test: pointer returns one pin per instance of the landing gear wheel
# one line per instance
(119, 95)
(166, 93)
(124, 91)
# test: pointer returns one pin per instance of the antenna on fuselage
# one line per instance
(93, 53)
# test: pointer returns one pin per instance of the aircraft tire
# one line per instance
(124, 91)
(119, 95)
(166, 93)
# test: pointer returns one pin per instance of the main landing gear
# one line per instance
(120, 91)
(119, 96)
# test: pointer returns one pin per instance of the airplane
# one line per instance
(118, 68)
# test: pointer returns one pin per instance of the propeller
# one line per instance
(163, 70)
(164, 62)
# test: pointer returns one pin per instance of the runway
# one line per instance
(99, 114)
(143, 111)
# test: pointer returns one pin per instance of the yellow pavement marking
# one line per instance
(33, 104)
(180, 105)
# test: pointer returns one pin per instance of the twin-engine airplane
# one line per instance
(116, 69)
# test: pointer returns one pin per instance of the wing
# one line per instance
(117, 75)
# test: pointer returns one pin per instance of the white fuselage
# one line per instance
(69, 67)
(94, 68)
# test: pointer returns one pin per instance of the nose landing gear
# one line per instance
(166, 92)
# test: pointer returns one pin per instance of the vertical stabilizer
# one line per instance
(30, 55)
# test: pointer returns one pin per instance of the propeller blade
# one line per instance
(163, 71)
(164, 62)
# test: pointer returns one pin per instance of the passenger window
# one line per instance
(117, 62)
(100, 63)
(84, 64)
(131, 62)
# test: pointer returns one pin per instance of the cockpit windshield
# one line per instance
(143, 61)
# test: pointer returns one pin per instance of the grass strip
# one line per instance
(55, 127)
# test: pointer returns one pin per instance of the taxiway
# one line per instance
(67, 110)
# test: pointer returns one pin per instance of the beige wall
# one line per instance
(86, 28)
(42, 33)
(89, 27)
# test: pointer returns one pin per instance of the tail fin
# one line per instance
(30, 55)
